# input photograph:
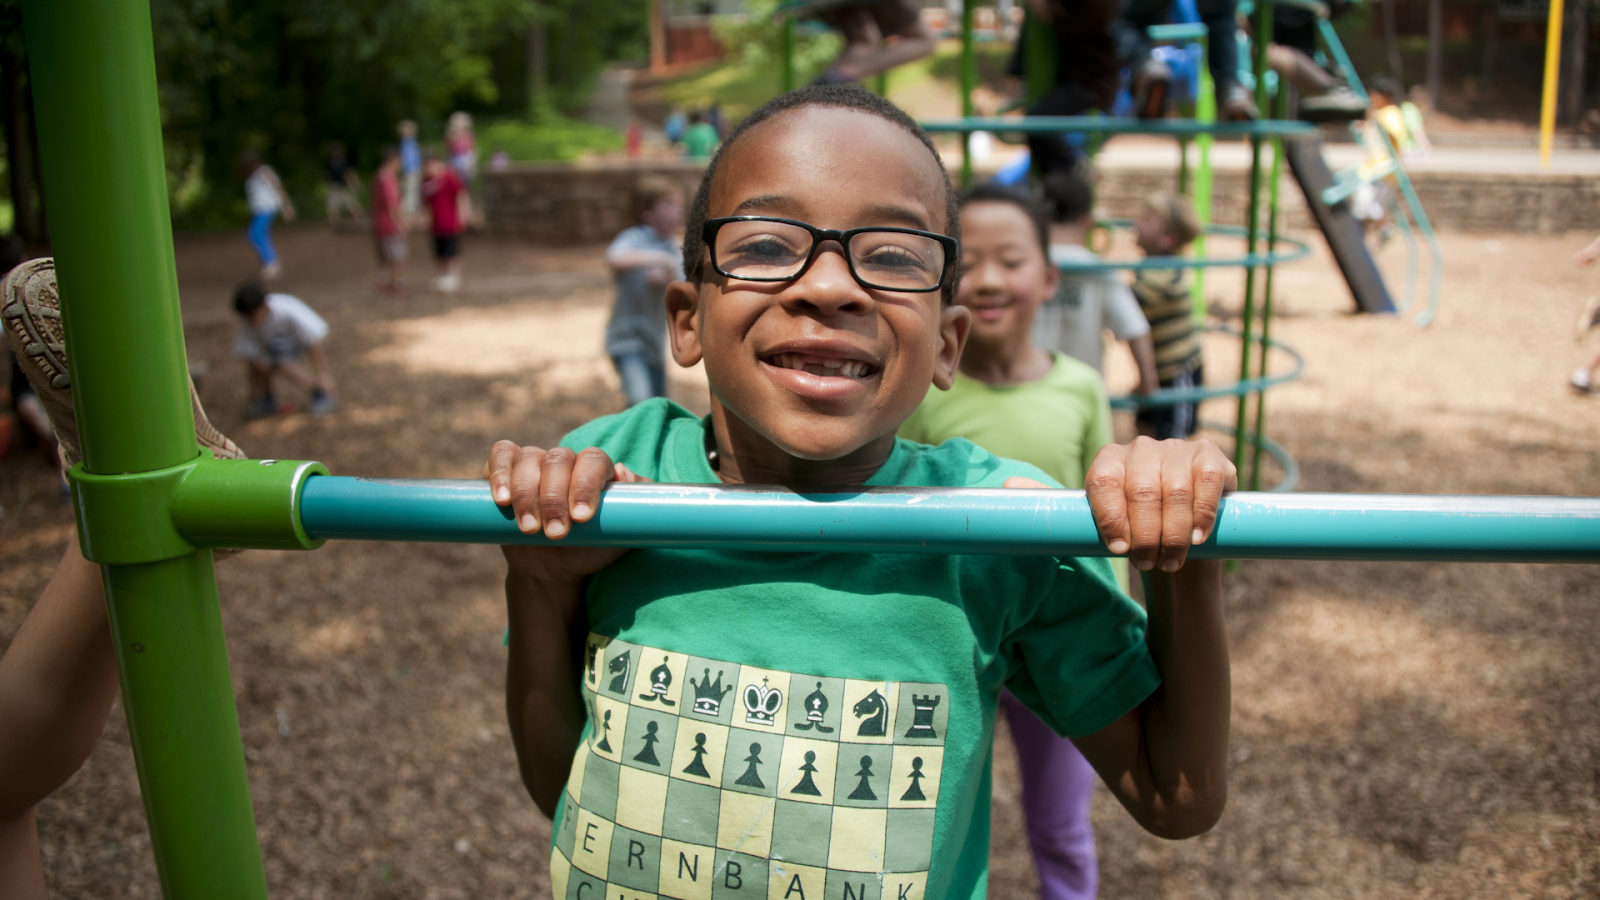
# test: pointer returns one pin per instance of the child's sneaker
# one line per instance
(1582, 381)
(321, 404)
(261, 408)
(30, 309)
(1590, 319)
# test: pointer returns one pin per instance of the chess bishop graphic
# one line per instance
(816, 707)
(761, 704)
(660, 683)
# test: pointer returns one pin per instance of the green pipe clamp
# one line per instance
(146, 517)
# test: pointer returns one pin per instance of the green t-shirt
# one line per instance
(1057, 423)
(816, 725)
(700, 140)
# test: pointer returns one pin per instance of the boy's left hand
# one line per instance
(1154, 499)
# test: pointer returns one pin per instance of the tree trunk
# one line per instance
(1491, 46)
(1391, 42)
(14, 109)
(658, 36)
(1435, 50)
(1573, 82)
(538, 66)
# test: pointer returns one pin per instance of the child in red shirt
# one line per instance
(387, 231)
(443, 188)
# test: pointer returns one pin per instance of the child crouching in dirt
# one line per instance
(277, 334)
(810, 720)
(1165, 226)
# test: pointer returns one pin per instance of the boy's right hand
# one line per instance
(547, 491)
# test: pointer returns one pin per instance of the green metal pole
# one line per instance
(1263, 39)
(1205, 111)
(969, 81)
(1282, 104)
(93, 74)
(788, 54)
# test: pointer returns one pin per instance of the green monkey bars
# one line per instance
(149, 502)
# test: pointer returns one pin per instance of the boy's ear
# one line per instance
(683, 322)
(955, 321)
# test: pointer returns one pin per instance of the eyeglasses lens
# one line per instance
(883, 259)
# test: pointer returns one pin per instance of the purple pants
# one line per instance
(1057, 787)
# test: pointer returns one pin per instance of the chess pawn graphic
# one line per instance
(648, 754)
(697, 766)
(816, 707)
(752, 778)
(708, 694)
(807, 786)
(605, 734)
(863, 790)
(914, 793)
(922, 716)
(660, 681)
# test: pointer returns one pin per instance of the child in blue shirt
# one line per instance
(807, 724)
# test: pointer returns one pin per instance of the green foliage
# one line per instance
(287, 77)
(553, 137)
(756, 40)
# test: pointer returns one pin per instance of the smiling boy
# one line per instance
(813, 725)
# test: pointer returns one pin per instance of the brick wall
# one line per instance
(592, 202)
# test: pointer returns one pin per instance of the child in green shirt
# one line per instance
(1018, 400)
(734, 724)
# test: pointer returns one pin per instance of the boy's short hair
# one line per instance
(650, 191)
(1069, 195)
(250, 297)
(1032, 208)
(1387, 86)
(1177, 217)
(845, 96)
(388, 152)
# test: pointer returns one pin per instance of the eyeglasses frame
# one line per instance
(952, 249)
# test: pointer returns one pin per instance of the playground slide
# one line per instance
(1339, 226)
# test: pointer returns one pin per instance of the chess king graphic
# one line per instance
(678, 793)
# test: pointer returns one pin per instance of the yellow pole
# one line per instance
(1552, 76)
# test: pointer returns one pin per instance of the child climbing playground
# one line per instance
(1017, 399)
(821, 272)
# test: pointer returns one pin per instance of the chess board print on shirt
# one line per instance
(707, 779)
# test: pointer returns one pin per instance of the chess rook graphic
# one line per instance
(683, 791)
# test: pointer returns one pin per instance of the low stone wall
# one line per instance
(578, 203)
(574, 203)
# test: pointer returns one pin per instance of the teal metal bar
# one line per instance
(1010, 522)
(1117, 125)
(1300, 250)
(99, 122)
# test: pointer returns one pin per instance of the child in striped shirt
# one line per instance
(1165, 226)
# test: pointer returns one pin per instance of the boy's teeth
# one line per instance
(847, 368)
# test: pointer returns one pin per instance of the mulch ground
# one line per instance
(1399, 729)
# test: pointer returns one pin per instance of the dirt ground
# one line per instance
(1399, 729)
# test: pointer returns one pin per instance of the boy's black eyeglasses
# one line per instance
(763, 248)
